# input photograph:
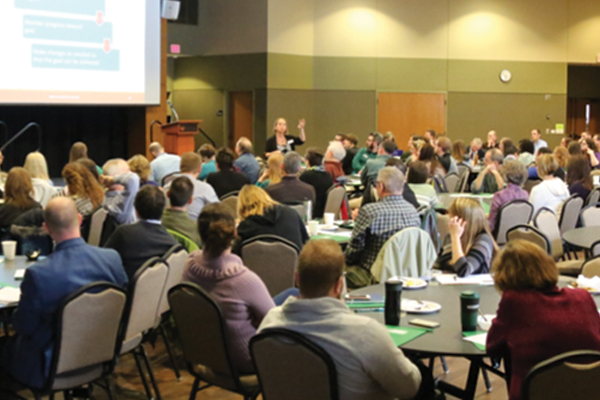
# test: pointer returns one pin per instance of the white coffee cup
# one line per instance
(9, 248)
(328, 218)
(313, 227)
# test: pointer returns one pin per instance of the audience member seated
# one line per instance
(376, 223)
(515, 175)
(318, 178)
(459, 153)
(138, 242)
(511, 153)
(350, 142)
(489, 179)
(43, 189)
(246, 162)
(140, 165)
(536, 138)
(78, 152)
(407, 192)
(273, 173)
(526, 152)
(552, 191)
(427, 155)
(471, 246)
(588, 148)
(579, 178)
(562, 158)
(430, 137)
(339, 137)
(369, 365)
(281, 141)
(418, 174)
(226, 180)
(533, 173)
(366, 153)
(492, 141)
(242, 296)
(333, 159)
(442, 150)
(47, 283)
(369, 173)
(91, 166)
(566, 140)
(535, 319)
(575, 149)
(123, 186)
(17, 197)
(504, 143)
(190, 166)
(176, 217)
(82, 188)
(414, 147)
(209, 165)
(291, 190)
(476, 152)
(261, 215)
(163, 164)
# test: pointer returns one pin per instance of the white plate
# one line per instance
(419, 307)
(329, 227)
(412, 283)
(590, 290)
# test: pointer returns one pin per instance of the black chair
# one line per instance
(203, 335)
(311, 374)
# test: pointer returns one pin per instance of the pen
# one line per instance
(365, 310)
(482, 316)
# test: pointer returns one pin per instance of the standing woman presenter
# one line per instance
(281, 141)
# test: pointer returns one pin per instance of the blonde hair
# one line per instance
(522, 265)
(562, 156)
(275, 125)
(35, 164)
(253, 200)
(470, 211)
(141, 166)
(546, 165)
(274, 165)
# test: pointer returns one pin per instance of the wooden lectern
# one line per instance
(179, 136)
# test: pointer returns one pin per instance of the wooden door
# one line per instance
(578, 112)
(240, 117)
(407, 114)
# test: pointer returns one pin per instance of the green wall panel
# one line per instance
(345, 73)
(411, 75)
(203, 104)
(290, 71)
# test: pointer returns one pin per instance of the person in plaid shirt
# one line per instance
(376, 223)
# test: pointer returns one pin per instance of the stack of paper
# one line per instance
(9, 295)
(452, 279)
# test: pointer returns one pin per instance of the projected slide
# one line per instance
(80, 51)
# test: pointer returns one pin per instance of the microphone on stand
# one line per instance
(173, 110)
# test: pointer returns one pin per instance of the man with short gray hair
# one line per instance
(246, 162)
(376, 223)
(489, 179)
(291, 190)
(163, 164)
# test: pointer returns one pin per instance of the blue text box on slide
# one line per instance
(73, 30)
(81, 58)
(86, 7)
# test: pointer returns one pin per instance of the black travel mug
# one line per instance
(393, 295)
(469, 309)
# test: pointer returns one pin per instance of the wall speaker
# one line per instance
(170, 9)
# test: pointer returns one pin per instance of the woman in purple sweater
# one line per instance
(241, 294)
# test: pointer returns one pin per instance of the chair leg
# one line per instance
(150, 372)
(194, 388)
(67, 395)
(486, 379)
(109, 389)
(142, 375)
(444, 365)
(163, 333)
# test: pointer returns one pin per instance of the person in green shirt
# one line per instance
(367, 153)
(175, 217)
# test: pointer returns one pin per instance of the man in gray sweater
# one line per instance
(369, 365)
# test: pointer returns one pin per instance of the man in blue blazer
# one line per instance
(74, 264)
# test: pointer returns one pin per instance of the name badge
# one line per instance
(291, 141)
(365, 156)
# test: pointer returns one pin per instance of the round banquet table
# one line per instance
(444, 199)
(582, 237)
(7, 273)
(447, 339)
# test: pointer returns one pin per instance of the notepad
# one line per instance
(404, 334)
(452, 279)
(478, 338)
(9, 295)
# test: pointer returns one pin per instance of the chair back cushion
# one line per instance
(175, 258)
(530, 234)
(335, 198)
(311, 375)
(96, 225)
(570, 213)
(201, 328)
(273, 260)
(145, 295)
(593, 197)
(572, 376)
(591, 267)
(88, 327)
(545, 220)
(451, 180)
(590, 215)
(231, 202)
(513, 213)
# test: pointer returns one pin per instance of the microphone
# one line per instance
(173, 110)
